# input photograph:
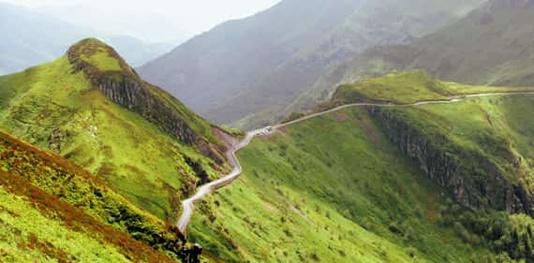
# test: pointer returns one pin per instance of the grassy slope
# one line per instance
(499, 129)
(27, 235)
(109, 63)
(329, 189)
(54, 109)
(495, 126)
(335, 189)
(409, 87)
(69, 203)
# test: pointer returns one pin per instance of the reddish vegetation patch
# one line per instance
(77, 220)
(52, 159)
(56, 185)
(48, 249)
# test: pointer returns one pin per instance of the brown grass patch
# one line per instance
(33, 243)
(77, 220)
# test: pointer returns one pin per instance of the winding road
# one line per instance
(189, 204)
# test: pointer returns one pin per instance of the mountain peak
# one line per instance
(98, 56)
(106, 70)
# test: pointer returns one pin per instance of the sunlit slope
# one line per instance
(52, 209)
(438, 183)
(477, 149)
(411, 87)
(92, 108)
(330, 189)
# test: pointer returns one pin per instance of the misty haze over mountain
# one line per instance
(168, 21)
(42, 30)
(259, 69)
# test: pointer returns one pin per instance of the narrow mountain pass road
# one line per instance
(189, 204)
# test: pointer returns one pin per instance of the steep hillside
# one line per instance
(437, 182)
(491, 45)
(332, 188)
(92, 108)
(261, 64)
(36, 38)
(471, 148)
(478, 150)
(51, 209)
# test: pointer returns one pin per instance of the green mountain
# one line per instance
(486, 162)
(255, 68)
(489, 46)
(446, 182)
(92, 108)
(402, 168)
(51, 210)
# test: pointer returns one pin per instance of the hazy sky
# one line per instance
(151, 20)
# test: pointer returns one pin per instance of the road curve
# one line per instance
(189, 204)
(450, 99)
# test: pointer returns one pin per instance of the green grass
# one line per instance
(499, 128)
(335, 188)
(103, 61)
(329, 189)
(484, 143)
(26, 235)
(52, 108)
(83, 201)
(99, 55)
(410, 87)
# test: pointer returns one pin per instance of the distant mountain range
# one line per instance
(261, 64)
(492, 45)
(33, 38)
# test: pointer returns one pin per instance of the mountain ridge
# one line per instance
(122, 85)
(256, 67)
(489, 46)
(90, 107)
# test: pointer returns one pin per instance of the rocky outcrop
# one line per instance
(473, 180)
(127, 89)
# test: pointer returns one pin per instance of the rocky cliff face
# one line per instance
(127, 89)
(473, 180)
